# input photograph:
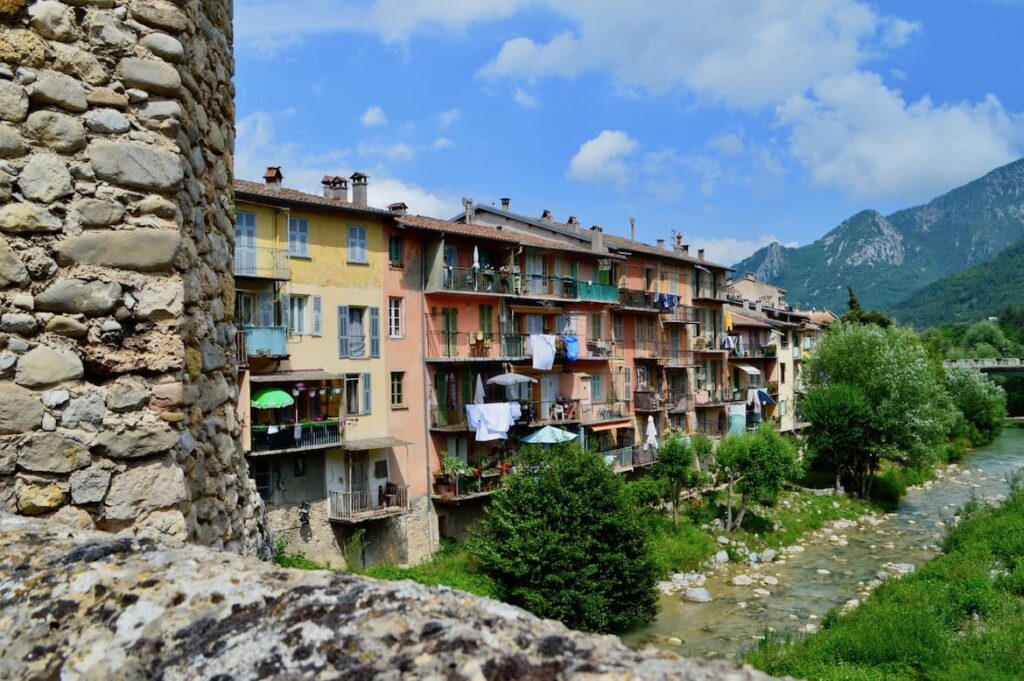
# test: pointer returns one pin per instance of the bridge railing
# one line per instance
(991, 363)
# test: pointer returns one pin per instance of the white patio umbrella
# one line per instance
(478, 394)
(476, 258)
(652, 435)
(509, 379)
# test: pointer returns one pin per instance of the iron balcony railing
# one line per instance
(674, 401)
(302, 436)
(684, 314)
(991, 363)
(709, 397)
(595, 412)
(641, 300)
(551, 411)
(644, 457)
(596, 348)
(369, 504)
(262, 262)
(265, 341)
(477, 345)
(470, 280)
(674, 356)
(708, 293)
(448, 416)
(602, 293)
(545, 285)
(648, 400)
(618, 459)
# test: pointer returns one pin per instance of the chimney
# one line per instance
(597, 228)
(700, 253)
(597, 240)
(335, 187)
(546, 216)
(632, 229)
(398, 207)
(661, 244)
(678, 241)
(573, 221)
(359, 187)
(467, 208)
(686, 249)
(273, 177)
(505, 203)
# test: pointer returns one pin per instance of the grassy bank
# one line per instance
(452, 566)
(959, 617)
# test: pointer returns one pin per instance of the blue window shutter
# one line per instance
(318, 316)
(367, 395)
(374, 332)
(343, 350)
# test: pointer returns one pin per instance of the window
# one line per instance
(318, 316)
(617, 332)
(395, 251)
(357, 244)
(595, 325)
(297, 315)
(396, 324)
(300, 465)
(352, 331)
(595, 388)
(245, 311)
(298, 237)
(380, 469)
(486, 320)
(397, 388)
(351, 393)
(782, 373)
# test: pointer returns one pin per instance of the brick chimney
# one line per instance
(700, 253)
(398, 207)
(573, 222)
(597, 239)
(335, 187)
(505, 203)
(273, 177)
(359, 187)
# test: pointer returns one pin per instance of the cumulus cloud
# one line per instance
(728, 144)
(443, 143)
(728, 251)
(373, 117)
(257, 146)
(854, 134)
(524, 99)
(447, 119)
(601, 159)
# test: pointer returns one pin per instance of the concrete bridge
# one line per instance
(1007, 366)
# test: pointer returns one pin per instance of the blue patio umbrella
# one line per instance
(549, 435)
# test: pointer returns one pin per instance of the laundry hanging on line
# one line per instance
(542, 346)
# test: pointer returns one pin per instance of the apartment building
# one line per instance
(316, 395)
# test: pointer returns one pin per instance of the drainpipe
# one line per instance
(426, 386)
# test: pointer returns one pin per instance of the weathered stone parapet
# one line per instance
(116, 233)
(81, 604)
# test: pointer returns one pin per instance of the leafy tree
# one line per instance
(988, 334)
(703, 448)
(730, 459)
(770, 461)
(858, 315)
(840, 430)
(675, 466)
(981, 403)
(564, 540)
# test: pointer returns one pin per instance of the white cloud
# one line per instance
(728, 144)
(443, 143)
(856, 135)
(447, 119)
(258, 146)
(524, 99)
(729, 251)
(398, 151)
(373, 116)
(602, 159)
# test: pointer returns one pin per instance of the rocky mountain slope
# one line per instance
(886, 258)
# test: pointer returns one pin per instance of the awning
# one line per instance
(536, 309)
(747, 369)
(293, 377)
(372, 443)
(702, 268)
(626, 423)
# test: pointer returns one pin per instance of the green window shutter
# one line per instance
(374, 332)
(395, 250)
(486, 319)
(367, 395)
(467, 386)
(343, 349)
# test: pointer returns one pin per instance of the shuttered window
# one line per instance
(343, 331)
(298, 237)
(367, 395)
(357, 244)
(374, 332)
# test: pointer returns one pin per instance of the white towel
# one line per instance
(543, 347)
(490, 421)
(271, 430)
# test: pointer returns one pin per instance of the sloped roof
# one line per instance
(487, 232)
(245, 188)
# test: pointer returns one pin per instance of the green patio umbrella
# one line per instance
(549, 435)
(272, 398)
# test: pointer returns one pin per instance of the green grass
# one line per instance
(679, 549)
(452, 566)
(959, 617)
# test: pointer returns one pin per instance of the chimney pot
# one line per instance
(468, 210)
(700, 253)
(574, 221)
(546, 216)
(632, 229)
(359, 189)
(505, 203)
(273, 177)
(335, 187)
(661, 244)
(596, 228)
(398, 207)
(679, 241)
(686, 249)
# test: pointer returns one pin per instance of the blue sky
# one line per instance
(735, 121)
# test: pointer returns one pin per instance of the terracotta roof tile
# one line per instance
(293, 196)
(486, 232)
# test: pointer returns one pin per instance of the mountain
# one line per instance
(888, 257)
(976, 293)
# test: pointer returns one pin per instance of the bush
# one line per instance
(564, 540)
(981, 403)
(295, 559)
(887, 490)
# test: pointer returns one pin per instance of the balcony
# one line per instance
(468, 485)
(544, 412)
(596, 412)
(265, 341)
(360, 506)
(262, 263)
(306, 435)
(642, 457)
(708, 342)
(601, 293)
(448, 417)
(637, 300)
(476, 345)
(602, 349)
(709, 293)
(716, 397)
(684, 314)
(548, 286)
(675, 357)
(620, 459)
(469, 280)
(675, 402)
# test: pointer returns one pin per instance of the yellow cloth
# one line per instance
(728, 320)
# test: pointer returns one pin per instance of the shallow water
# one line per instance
(732, 623)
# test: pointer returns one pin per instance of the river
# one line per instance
(826, 575)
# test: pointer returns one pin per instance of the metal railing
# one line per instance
(265, 341)
(241, 356)
(593, 412)
(476, 345)
(708, 293)
(262, 262)
(637, 299)
(642, 457)
(448, 416)
(990, 363)
(674, 356)
(549, 285)
(684, 314)
(391, 499)
(470, 280)
(601, 349)
(619, 458)
(708, 342)
(307, 435)
(550, 411)
(603, 293)
(705, 397)
(674, 401)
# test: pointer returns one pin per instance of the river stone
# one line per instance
(159, 14)
(38, 499)
(768, 555)
(158, 304)
(11, 144)
(127, 394)
(27, 217)
(89, 485)
(722, 557)
(695, 595)
(18, 322)
(138, 166)
(84, 412)
(58, 131)
(55, 398)
(59, 90)
(98, 212)
(143, 250)
(163, 45)
(80, 297)
(133, 443)
(154, 114)
(53, 20)
(45, 178)
(741, 580)
(104, 96)
(20, 409)
(22, 47)
(66, 326)
(52, 453)
(145, 488)
(149, 75)
(769, 580)
(12, 270)
(71, 60)
(106, 29)
(107, 121)
(43, 366)
(13, 102)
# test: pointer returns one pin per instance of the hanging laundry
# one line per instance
(739, 346)
(491, 421)
(543, 348)
(572, 347)
(297, 432)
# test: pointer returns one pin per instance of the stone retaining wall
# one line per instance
(117, 377)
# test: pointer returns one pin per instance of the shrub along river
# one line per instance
(836, 565)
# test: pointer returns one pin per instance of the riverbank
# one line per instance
(958, 617)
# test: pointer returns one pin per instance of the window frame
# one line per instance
(353, 235)
(393, 261)
(294, 224)
(302, 301)
(396, 317)
(397, 380)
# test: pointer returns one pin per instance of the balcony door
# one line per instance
(450, 331)
(245, 243)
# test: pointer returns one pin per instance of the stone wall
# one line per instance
(116, 230)
(81, 604)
